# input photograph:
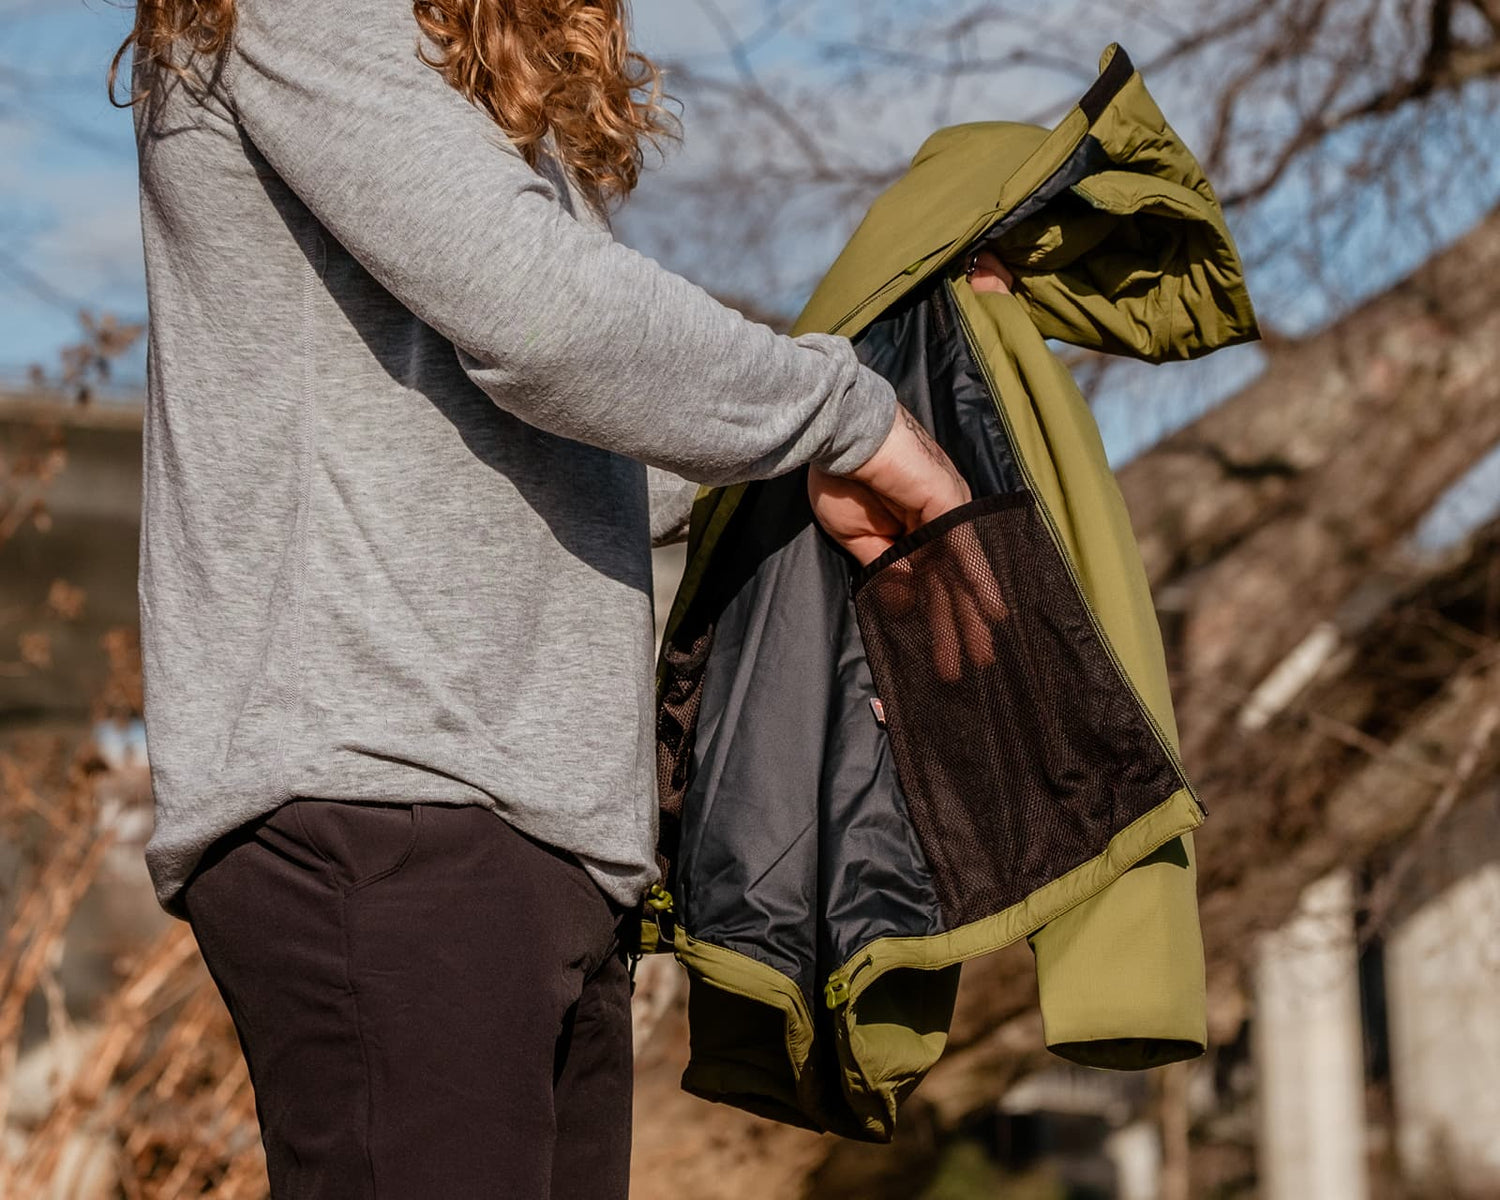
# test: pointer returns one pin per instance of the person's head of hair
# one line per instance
(562, 68)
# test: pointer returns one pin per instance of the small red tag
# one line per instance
(878, 709)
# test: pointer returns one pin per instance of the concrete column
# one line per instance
(1136, 1152)
(1308, 1051)
(1442, 966)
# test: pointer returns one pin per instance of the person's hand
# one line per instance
(906, 483)
(909, 480)
(987, 273)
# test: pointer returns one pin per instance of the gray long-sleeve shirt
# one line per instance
(396, 538)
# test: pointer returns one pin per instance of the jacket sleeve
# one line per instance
(1120, 976)
(559, 324)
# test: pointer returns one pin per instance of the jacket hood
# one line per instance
(1107, 220)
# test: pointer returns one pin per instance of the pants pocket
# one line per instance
(361, 843)
(1020, 747)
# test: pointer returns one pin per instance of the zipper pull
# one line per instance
(836, 990)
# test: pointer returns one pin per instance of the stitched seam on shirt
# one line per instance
(290, 688)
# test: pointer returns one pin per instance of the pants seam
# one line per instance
(348, 889)
(314, 845)
(386, 873)
(364, 1049)
(612, 949)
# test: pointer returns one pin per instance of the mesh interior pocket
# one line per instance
(1020, 748)
(676, 725)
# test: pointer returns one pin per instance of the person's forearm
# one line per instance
(557, 323)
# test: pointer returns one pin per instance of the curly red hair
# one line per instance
(558, 70)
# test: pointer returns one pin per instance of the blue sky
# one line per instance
(69, 227)
(68, 218)
(69, 233)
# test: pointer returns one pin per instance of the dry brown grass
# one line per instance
(160, 1098)
(143, 1094)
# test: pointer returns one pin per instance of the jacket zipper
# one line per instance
(1062, 550)
(836, 991)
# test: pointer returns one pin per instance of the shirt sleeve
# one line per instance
(671, 506)
(557, 322)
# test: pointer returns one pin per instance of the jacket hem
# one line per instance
(1175, 816)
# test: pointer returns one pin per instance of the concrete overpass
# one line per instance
(88, 540)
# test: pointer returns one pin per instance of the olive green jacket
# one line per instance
(868, 776)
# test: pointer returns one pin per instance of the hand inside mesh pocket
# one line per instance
(947, 581)
(1020, 747)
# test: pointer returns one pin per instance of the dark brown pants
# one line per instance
(431, 1004)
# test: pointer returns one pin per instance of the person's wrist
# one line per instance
(878, 467)
(872, 405)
